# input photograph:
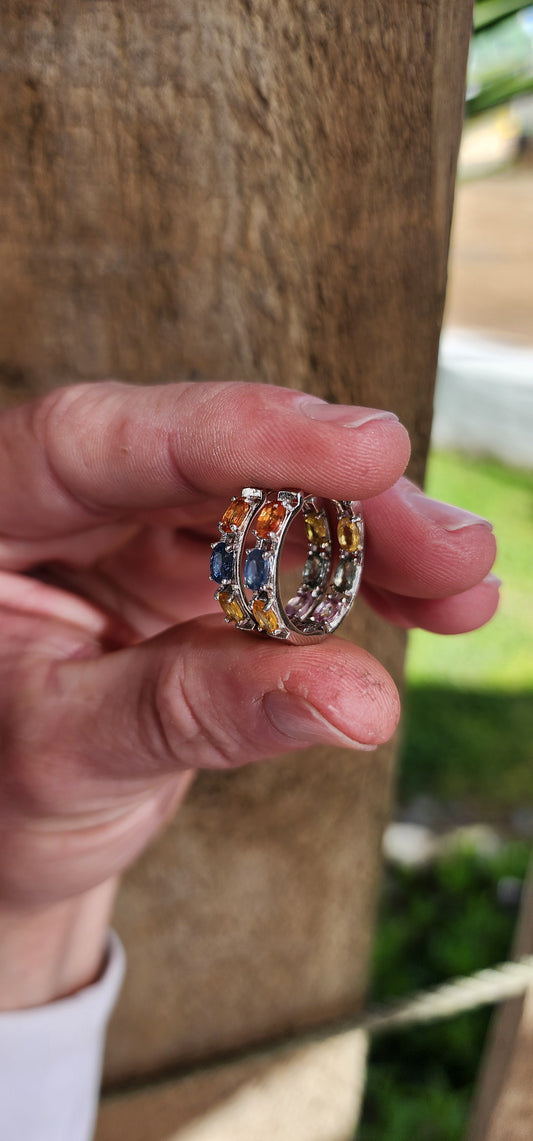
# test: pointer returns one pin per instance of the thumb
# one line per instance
(202, 696)
(100, 750)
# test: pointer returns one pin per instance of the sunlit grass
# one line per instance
(500, 656)
(468, 708)
(467, 736)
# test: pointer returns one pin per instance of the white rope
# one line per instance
(495, 984)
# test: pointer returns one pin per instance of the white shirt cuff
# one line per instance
(51, 1060)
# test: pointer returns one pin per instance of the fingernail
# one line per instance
(493, 580)
(343, 415)
(297, 719)
(446, 515)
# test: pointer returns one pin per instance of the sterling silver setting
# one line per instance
(245, 563)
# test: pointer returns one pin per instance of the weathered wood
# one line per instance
(503, 1104)
(310, 1093)
(250, 189)
(254, 189)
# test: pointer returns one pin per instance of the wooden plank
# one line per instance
(503, 1105)
(237, 189)
(308, 1094)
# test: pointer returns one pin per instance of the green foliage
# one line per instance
(443, 920)
(466, 745)
(467, 734)
(435, 923)
(490, 12)
(500, 64)
(433, 1113)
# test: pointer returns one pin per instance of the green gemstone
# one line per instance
(314, 571)
(344, 576)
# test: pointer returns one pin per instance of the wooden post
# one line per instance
(258, 189)
(503, 1104)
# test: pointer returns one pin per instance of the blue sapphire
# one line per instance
(221, 563)
(255, 569)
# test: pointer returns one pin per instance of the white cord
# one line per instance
(504, 981)
(507, 980)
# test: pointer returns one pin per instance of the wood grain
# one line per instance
(237, 188)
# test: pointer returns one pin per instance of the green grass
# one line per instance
(468, 708)
(498, 657)
(468, 745)
(467, 735)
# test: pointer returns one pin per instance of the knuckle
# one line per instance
(185, 723)
(65, 423)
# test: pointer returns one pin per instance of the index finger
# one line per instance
(94, 452)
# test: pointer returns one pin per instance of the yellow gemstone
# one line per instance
(231, 607)
(348, 534)
(269, 520)
(266, 619)
(315, 526)
(234, 514)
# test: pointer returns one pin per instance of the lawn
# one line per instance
(468, 708)
(468, 739)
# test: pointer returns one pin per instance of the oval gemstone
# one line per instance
(301, 605)
(266, 619)
(328, 610)
(315, 526)
(234, 514)
(314, 571)
(221, 563)
(344, 576)
(269, 520)
(348, 534)
(255, 569)
(231, 606)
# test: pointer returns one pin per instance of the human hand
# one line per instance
(119, 678)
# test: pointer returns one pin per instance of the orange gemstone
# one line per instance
(231, 607)
(266, 619)
(234, 514)
(269, 520)
(315, 526)
(348, 534)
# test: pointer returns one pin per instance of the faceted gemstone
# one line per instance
(315, 526)
(269, 520)
(255, 569)
(266, 619)
(344, 576)
(348, 534)
(234, 514)
(221, 563)
(231, 607)
(301, 605)
(292, 608)
(314, 571)
(328, 610)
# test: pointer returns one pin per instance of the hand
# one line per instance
(118, 676)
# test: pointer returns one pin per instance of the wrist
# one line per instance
(48, 953)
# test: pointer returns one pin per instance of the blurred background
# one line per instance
(458, 851)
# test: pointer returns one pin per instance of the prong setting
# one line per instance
(251, 597)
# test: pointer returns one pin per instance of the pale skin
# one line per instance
(119, 677)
